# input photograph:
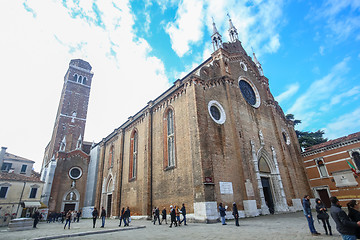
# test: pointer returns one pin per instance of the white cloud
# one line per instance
(187, 27)
(36, 52)
(343, 125)
(291, 90)
(321, 50)
(307, 106)
(257, 24)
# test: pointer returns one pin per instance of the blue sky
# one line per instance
(309, 50)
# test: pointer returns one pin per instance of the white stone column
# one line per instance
(283, 204)
(264, 207)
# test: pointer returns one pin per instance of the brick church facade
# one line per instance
(66, 159)
(217, 135)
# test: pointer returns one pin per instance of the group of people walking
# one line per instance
(125, 216)
(175, 213)
(348, 225)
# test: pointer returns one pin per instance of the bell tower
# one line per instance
(70, 119)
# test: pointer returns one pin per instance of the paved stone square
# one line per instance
(283, 226)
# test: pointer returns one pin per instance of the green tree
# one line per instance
(307, 139)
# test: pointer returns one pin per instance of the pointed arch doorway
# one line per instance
(265, 175)
(109, 190)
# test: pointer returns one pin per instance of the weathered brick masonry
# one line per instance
(232, 143)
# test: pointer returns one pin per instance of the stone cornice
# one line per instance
(330, 147)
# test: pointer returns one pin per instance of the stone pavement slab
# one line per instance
(290, 226)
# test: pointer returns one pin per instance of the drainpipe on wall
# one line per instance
(121, 169)
(22, 192)
(151, 158)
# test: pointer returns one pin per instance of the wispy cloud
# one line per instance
(258, 23)
(29, 9)
(307, 106)
(341, 16)
(343, 125)
(187, 29)
(291, 90)
(349, 96)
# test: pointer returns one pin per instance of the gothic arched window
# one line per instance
(80, 79)
(170, 140)
(133, 154)
(356, 158)
(75, 78)
(84, 80)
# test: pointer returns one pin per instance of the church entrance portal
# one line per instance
(324, 196)
(108, 210)
(69, 206)
(265, 181)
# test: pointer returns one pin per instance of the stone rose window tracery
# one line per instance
(249, 92)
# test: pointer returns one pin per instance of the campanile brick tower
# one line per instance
(69, 127)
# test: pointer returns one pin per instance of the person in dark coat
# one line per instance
(157, 215)
(344, 225)
(354, 215)
(236, 214)
(183, 212)
(222, 214)
(127, 216)
(308, 215)
(163, 214)
(78, 216)
(103, 216)
(323, 216)
(62, 217)
(122, 217)
(36, 217)
(95, 215)
(173, 216)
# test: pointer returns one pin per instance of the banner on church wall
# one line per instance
(226, 188)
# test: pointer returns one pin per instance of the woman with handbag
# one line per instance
(323, 216)
(354, 214)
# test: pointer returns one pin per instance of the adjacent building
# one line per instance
(333, 168)
(20, 187)
(217, 135)
(12, 163)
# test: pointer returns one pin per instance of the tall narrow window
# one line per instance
(75, 78)
(133, 154)
(80, 79)
(23, 169)
(170, 139)
(33, 193)
(111, 156)
(84, 80)
(3, 191)
(322, 169)
(356, 157)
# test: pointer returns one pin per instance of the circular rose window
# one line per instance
(243, 66)
(75, 173)
(250, 93)
(216, 112)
